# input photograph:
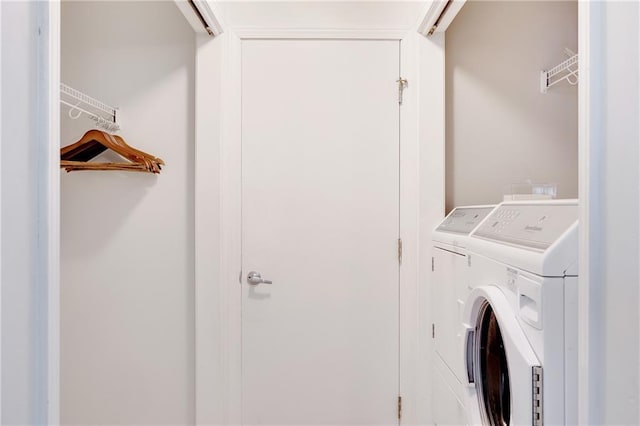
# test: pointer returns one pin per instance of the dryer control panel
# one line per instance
(463, 220)
(535, 225)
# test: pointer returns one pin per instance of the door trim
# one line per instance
(591, 32)
(291, 33)
(209, 363)
(224, 312)
(47, 174)
(50, 220)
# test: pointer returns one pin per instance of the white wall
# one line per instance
(611, 148)
(323, 15)
(128, 338)
(23, 299)
(500, 128)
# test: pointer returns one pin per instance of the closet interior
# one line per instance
(511, 100)
(127, 252)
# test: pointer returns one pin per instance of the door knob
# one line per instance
(255, 278)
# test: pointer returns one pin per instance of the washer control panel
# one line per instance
(536, 225)
(463, 220)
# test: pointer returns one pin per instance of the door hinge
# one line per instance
(469, 260)
(536, 372)
(403, 83)
(399, 407)
(433, 264)
(433, 330)
(240, 277)
(400, 251)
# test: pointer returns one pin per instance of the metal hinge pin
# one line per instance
(403, 83)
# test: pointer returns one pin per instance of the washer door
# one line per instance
(502, 368)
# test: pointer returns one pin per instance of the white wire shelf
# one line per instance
(565, 71)
(104, 115)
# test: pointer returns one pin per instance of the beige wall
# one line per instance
(500, 128)
(127, 260)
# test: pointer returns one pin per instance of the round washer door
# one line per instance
(502, 367)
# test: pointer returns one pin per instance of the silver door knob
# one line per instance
(255, 278)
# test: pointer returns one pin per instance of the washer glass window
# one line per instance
(492, 381)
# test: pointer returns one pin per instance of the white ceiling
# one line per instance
(318, 14)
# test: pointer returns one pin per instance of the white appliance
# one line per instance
(521, 316)
(450, 289)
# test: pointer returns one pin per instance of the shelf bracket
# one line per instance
(565, 71)
(104, 115)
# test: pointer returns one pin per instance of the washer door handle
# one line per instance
(469, 354)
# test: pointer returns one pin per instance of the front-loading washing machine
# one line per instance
(521, 316)
(449, 290)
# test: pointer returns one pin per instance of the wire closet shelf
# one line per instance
(104, 115)
(565, 71)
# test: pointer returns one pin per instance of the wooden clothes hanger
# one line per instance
(94, 142)
(155, 164)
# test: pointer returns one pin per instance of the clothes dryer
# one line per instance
(450, 289)
(521, 316)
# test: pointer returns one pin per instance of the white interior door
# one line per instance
(320, 218)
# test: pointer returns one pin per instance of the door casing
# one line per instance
(215, 366)
(230, 208)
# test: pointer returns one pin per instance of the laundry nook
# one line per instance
(319, 212)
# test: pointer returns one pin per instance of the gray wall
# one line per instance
(500, 128)
(127, 266)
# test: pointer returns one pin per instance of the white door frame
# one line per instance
(590, 192)
(47, 171)
(46, 174)
(49, 221)
(585, 209)
(225, 312)
(225, 364)
(1, 219)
